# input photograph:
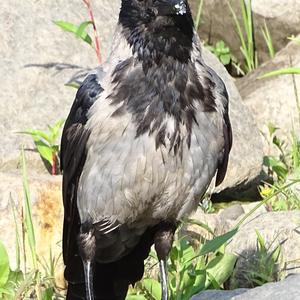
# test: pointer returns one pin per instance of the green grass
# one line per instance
(284, 170)
(263, 266)
(285, 71)
(245, 34)
(268, 39)
(198, 16)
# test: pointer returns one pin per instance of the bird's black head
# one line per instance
(158, 28)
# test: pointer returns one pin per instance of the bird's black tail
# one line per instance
(111, 280)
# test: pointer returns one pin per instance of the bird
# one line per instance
(148, 131)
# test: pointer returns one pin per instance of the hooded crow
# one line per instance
(146, 134)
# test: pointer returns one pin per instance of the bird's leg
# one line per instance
(163, 279)
(88, 276)
(87, 248)
(163, 241)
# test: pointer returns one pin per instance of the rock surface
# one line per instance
(274, 100)
(282, 18)
(287, 289)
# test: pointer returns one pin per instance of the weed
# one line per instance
(282, 169)
(191, 270)
(46, 143)
(266, 263)
(284, 71)
(80, 30)
(268, 40)
(222, 51)
(246, 35)
(199, 13)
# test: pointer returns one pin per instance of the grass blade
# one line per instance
(199, 13)
(268, 39)
(285, 71)
(217, 242)
(18, 240)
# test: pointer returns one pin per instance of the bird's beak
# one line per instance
(171, 7)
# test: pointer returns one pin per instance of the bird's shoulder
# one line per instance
(75, 133)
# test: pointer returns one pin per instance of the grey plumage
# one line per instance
(145, 136)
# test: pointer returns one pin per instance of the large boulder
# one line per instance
(282, 18)
(287, 289)
(275, 99)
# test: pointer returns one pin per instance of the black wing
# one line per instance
(227, 133)
(73, 154)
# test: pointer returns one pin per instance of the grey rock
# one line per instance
(277, 228)
(219, 295)
(232, 212)
(274, 100)
(287, 289)
(282, 18)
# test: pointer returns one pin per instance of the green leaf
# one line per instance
(81, 29)
(48, 294)
(152, 287)
(77, 30)
(135, 297)
(187, 252)
(212, 282)
(37, 135)
(217, 242)
(4, 265)
(225, 59)
(260, 240)
(55, 130)
(14, 279)
(45, 151)
(221, 268)
(276, 166)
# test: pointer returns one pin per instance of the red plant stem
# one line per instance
(53, 170)
(97, 41)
